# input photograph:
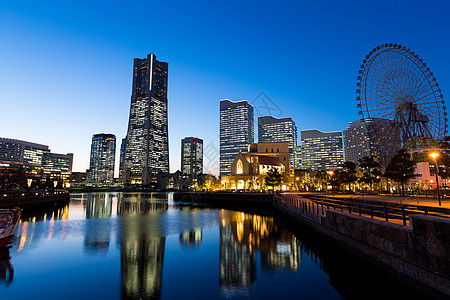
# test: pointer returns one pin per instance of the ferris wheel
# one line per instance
(399, 98)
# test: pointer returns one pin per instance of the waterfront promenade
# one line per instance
(397, 234)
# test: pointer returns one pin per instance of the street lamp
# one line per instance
(434, 155)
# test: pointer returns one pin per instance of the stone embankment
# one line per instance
(419, 252)
(34, 200)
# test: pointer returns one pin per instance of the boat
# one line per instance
(9, 218)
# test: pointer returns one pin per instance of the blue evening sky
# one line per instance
(66, 66)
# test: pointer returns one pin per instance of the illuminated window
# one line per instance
(239, 167)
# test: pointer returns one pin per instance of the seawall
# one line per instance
(418, 253)
(34, 201)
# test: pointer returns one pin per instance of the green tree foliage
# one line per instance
(370, 170)
(273, 178)
(401, 168)
(348, 173)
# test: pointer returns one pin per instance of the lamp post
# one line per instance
(434, 155)
(331, 175)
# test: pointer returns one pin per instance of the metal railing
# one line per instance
(389, 212)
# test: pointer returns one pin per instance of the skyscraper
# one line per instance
(321, 150)
(271, 129)
(236, 131)
(103, 154)
(147, 144)
(192, 156)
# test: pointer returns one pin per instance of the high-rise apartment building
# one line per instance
(273, 130)
(103, 156)
(321, 150)
(236, 131)
(192, 156)
(147, 144)
(358, 142)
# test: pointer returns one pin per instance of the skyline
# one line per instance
(66, 70)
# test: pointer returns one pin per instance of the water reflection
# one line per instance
(6, 268)
(145, 236)
(241, 236)
(142, 247)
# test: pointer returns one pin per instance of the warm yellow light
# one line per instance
(331, 173)
(297, 178)
(434, 155)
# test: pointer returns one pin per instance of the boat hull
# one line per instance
(5, 241)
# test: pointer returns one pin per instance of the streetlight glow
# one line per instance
(434, 155)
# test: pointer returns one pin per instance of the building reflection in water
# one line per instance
(191, 239)
(97, 236)
(142, 247)
(241, 235)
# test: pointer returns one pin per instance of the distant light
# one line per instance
(283, 187)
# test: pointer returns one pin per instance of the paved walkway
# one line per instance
(422, 201)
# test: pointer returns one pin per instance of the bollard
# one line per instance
(404, 215)
(386, 213)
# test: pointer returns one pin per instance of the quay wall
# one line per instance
(34, 201)
(255, 200)
(420, 252)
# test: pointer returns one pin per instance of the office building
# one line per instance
(271, 129)
(36, 161)
(321, 150)
(57, 168)
(23, 153)
(192, 156)
(236, 131)
(147, 141)
(103, 156)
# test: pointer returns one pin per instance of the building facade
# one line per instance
(359, 142)
(103, 157)
(27, 154)
(236, 131)
(58, 168)
(271, 129)
(321, 150)
(147, 141)
(279, 150)
(192, 156)
(36, 161)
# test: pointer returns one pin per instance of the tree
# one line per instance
(370, 170)
(273, 178)
(348, 173)
(401, 168)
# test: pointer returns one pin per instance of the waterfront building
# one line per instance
(57, 169)
(23, 153)
(271, 129)
(279, 150)
(248, 170)
(192, 156)
(321, 150)
(147, 140)
(236, 131)
(103, 156)
(36, 161)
